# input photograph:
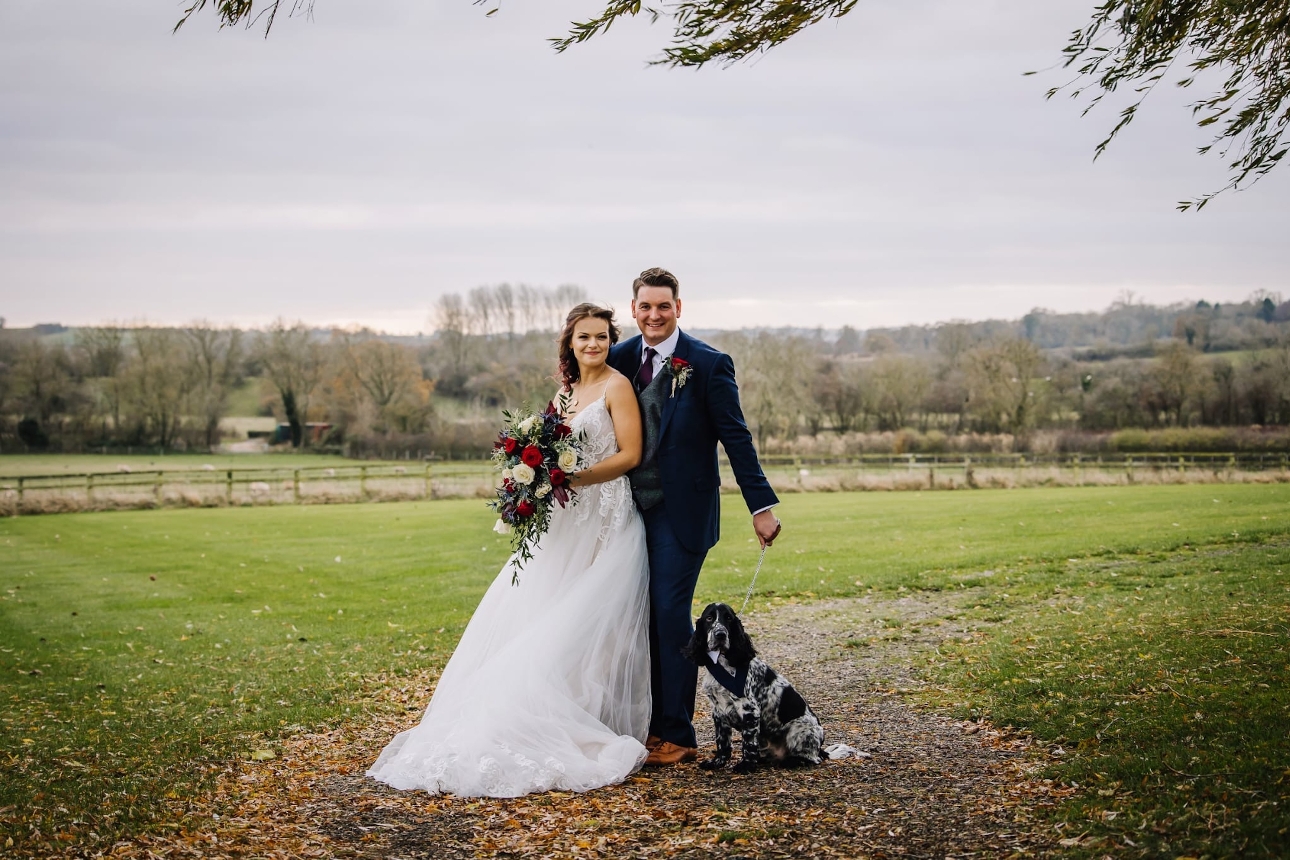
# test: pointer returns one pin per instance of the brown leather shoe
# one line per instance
(669, 753)
(652, 742)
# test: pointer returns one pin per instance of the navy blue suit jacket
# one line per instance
(703, 412)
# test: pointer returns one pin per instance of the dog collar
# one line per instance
(735, 683)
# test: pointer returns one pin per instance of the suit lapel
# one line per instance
(629, 358)
(682, 351)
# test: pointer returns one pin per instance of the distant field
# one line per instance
(141, 650)
(13, 465)
(244, 401)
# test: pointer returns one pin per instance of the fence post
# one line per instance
(428, 467)
(295, 486)
(20, 492)
(156, 487)
(362, 482)
(89, 487)
(228, 487)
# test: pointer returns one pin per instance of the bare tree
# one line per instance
(158, 381)
(452, 323)
(839, 387)
(482, 306)
(294, 363)
(531, 304)
(386, 372)
(563, 299)
(774, 380)
(1176, 380)
(900, 384)
(504, 305)
(103, 353)
(1000, 377)
(213, 357)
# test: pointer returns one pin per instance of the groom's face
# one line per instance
(656, 311)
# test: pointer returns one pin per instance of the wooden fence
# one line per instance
(210, 487)
(1243, 461)
(391, 482)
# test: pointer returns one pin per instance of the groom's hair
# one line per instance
(657, 277)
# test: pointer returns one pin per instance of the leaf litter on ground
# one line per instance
(932, 785)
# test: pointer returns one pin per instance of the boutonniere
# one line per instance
(680, 370)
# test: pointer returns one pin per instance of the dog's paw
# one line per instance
(713, 764)
(746, 766)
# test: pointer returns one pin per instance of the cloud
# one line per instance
(892, 166)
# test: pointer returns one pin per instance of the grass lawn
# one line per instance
(139, 649)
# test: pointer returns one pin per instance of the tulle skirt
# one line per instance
(549, 687)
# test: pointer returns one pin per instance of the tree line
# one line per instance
(1130, 366)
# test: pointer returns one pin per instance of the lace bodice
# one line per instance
(597, 428)
(611, 502)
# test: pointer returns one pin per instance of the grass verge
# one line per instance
(1160, 682)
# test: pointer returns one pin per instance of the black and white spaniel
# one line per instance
(749, 697)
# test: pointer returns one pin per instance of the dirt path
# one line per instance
(928, 787)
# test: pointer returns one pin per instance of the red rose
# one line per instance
(557, 477)
(562, 431)
(524, 509)
(531, 457)
(508, 485)
(679, 364)
(509, 445)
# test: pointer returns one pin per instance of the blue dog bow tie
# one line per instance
(734, 683)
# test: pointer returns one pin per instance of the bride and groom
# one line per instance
(574, 678)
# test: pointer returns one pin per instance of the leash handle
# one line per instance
(760, 559)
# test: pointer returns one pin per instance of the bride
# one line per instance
(549, 687)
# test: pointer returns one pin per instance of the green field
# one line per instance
(141, 648)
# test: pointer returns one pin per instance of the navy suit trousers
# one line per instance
(673, 574)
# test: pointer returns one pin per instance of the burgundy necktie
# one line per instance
(647, 367)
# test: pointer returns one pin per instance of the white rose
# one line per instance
(522, 474)
(507, 473)
(528, 423)
(568, 459)
(501, 527)
(542, 491)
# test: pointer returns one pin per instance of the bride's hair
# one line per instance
(586, 310)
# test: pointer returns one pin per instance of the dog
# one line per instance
(750, 697)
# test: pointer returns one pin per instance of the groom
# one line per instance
(689, 402)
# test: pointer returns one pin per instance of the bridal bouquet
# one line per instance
(535, 452)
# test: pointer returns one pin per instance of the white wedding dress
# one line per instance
(549, 687)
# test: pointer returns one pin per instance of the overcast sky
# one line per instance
(892, 167)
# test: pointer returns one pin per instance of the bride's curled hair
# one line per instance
(586, 310)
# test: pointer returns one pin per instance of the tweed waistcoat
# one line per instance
(647, 483)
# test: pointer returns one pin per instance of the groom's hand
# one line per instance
(767, 527)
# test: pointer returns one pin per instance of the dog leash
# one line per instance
(760, 559)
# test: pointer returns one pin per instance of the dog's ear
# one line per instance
(741, 650)
(696, 650)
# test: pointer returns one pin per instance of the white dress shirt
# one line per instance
(663, 351)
